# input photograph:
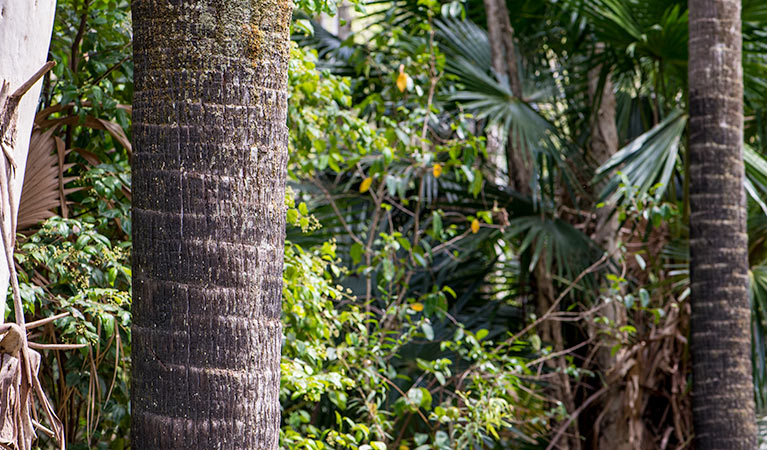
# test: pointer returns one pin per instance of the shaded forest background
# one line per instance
(481, 253)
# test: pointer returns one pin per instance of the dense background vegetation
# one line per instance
(411, 317)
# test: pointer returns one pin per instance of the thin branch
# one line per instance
(559, 299)
(338, 213)
(110, 70)
(573, 416)
(32, 80)
(559, 353)
(41, 322)
(37, 346)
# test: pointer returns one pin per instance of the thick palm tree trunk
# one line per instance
(209, 171)
(723, 405)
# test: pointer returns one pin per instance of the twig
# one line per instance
(407, 399)
(338, 213)
(559, 353)
(37, 346)
(450, 242)
(561, 296)
(41, 322)
(18, 93)
(110, 70)
(573, 416)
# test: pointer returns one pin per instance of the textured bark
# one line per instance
(25, 34)
(723, 404)
(209, 171)
(501, 36)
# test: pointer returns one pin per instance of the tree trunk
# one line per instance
(723, 393)
(25, 34)
(501, 36)
(209, 168)
(345, 17)
(613, 430)
(504, 57)
(521, 171)
(604, 144)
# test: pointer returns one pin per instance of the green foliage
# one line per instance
(375, 353)
(342, 387)
(81, 265)
(92, 47)
(408, 261)
(69, 267)
(325, 6)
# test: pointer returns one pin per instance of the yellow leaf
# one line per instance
(417, 307)
(475, 226)
(404, 447)
(437, 170)
(402, 78)
(365, 185)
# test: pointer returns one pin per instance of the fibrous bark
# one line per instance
(723, 402)
(209, 167)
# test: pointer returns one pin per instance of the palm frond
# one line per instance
(655, 28)
(645, 163)
(492, 100)
(758, 294)
(756, 176)
(43, 193)
(467, 40)
(561, 247)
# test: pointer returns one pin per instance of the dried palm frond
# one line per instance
(115, 130)
(43, 193)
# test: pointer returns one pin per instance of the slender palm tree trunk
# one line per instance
(613, 430)
(504, 58)
(345, 18)
(723, 393)
(209, 172)
(521, 171)
(603, 145)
